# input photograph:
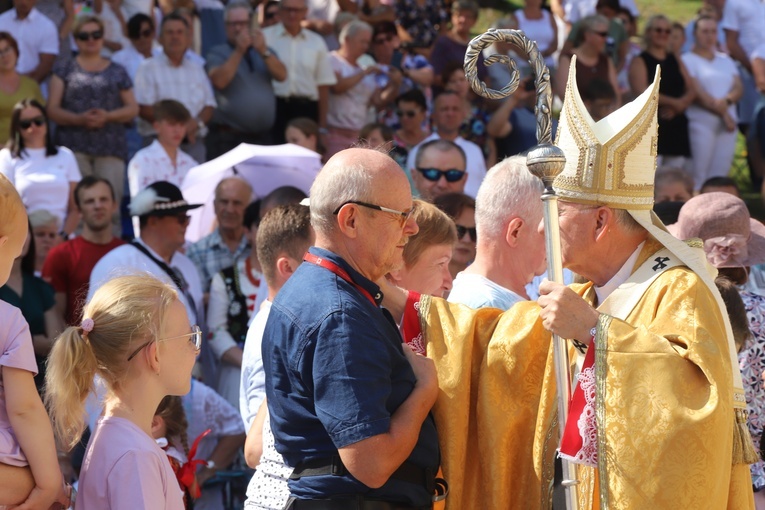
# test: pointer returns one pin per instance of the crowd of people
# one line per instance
(169, 368)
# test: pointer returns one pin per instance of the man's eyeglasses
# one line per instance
(659, 30)
(406, 113)
(403, 215)
(434, 174)
(269, 15)
(87, 36)
(38, 121)
(195, 338)
(182, 218)
(461, 231)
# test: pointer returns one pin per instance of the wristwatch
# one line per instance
(266, 54)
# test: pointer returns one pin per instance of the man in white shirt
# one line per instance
(284, 235)
(173, 75)
(510, 249)
(448, 114)
(36, 35)
(305, 92)
(162, 212)
(742, 22)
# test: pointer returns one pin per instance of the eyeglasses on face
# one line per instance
(384, 39)
(269, 15)
(239, 23)
(38, 121)
(182, 218)
(87, 36)
(661, 30)
(601, 34)
(461, 231)
(434, 174)
(147, 32)
(403, 215)
(195, 338)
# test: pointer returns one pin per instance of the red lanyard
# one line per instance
(339, 271)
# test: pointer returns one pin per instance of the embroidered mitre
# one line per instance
(611, 162)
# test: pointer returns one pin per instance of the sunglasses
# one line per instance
(38, 121)
(403, 215)
(406, 113)
(182, 218)
(146, 33)
(662, 30)
(434, 174)
(195, 338)
(87, 36)
(601, 34)
(461, 231)
(269, 15)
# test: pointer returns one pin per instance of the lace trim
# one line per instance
(587, 424)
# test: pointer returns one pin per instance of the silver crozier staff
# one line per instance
(545, 161)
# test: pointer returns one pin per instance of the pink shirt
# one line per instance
(125, 469)
(16, 351)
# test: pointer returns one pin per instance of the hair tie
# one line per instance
(87, 326)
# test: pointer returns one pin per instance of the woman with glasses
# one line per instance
(461, 209)
(91, 100)
(592, 61)
(13, 86)
(136, 336)
(44, 175)
(676, 92)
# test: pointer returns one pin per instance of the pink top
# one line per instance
(125, 469)
(16, 351)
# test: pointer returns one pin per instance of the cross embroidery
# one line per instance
(660, 263)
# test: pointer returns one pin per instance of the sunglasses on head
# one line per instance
(461, 231)
(434, 174)
(27, 123)
(406, 113)
(87, 36)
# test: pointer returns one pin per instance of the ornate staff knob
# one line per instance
(546, 162)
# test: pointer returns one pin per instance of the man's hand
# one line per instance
(259, 41)
(243, 41)
(192, 128)
(565, 313)
(424, 370)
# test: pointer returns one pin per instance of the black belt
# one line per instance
(296, 99)
(407, 472)
(358, 503)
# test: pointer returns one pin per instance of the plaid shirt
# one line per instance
(211, 255)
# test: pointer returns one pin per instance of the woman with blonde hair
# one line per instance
(136, 337)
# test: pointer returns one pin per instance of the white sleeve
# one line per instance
(144, 87)
(217, 318)
(7, 168)
(48, 37)
(730, 20)
(72, 168)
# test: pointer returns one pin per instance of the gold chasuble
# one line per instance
(664, 403)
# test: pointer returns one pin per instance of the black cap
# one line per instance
(160, 198)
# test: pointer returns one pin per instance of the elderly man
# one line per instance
(241, 72)
(439, 168)
(510, 250)
(448, 114)
(227, 243)
(305, 92)
(349, 406)
(659, 393)
(162, 212)
(173, 75)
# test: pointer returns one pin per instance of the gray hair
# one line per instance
(334, 186)
(440, 145)
(354, 28)
(42, 217)
(508, 190)
(237, 4)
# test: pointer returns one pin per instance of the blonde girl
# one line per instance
(136, 337)
(28, 465)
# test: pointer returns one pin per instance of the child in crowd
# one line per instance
(26, 437)
(136, 337)
(672, 185)
(170, 429)
(304, 132)
(163, 160)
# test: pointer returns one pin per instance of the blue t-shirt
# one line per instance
(335, 373)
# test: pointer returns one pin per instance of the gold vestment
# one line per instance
(664, 408)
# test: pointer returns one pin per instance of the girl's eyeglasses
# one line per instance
(195, 339)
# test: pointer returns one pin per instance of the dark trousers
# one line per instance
(288, 108)
(221, 139)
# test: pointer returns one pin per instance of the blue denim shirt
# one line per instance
(335, 373)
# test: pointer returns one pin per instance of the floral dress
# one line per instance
(422, 23)
(752, 363)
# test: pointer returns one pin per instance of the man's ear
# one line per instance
(513, 231)
(284, 266)
(604, 220)
(347, 220)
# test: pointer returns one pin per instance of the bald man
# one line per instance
(349, 404)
